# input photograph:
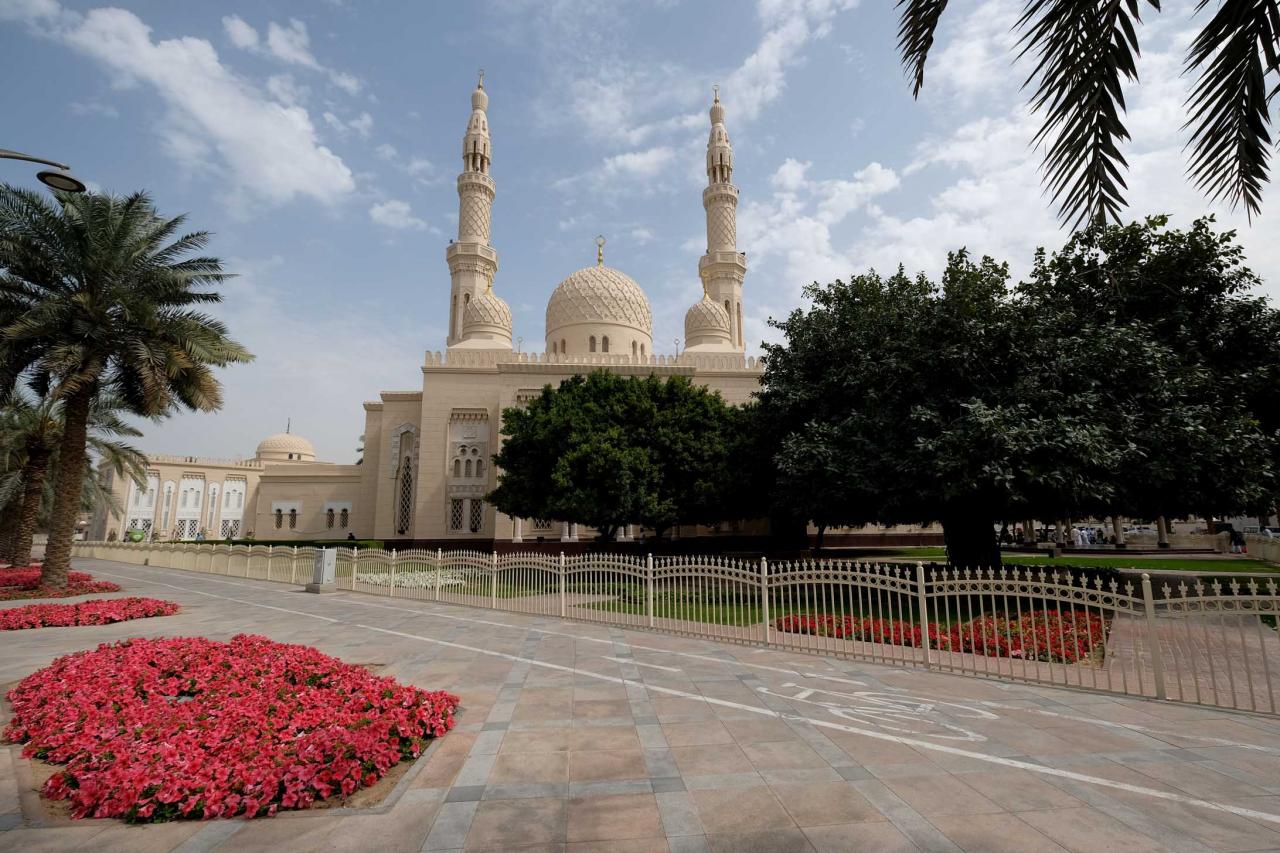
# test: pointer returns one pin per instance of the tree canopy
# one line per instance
(1106, 383)
(605, 450)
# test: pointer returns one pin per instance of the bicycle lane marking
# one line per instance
(915, 743)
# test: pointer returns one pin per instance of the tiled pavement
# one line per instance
(582, 737)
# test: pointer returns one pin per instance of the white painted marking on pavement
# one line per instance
(638, 663)
(768, 712)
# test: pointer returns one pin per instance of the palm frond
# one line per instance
(916, 25)
(1228, 106)
(1087, 50)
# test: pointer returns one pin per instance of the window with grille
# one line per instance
(343, 518)
(542, 524)
(230, 528)
(477, 515)
(293, 519)
(328, 518)
(404, 505)
(455, 514)
(457, 467)
(279, 518)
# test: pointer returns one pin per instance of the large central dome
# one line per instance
(599, 310)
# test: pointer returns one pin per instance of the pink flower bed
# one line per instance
(186, 727)
(1046, 635)
(98, 612)
(23, 583)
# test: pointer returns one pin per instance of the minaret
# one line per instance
(723, 267)
(472, 260)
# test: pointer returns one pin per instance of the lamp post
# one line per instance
(58, 178)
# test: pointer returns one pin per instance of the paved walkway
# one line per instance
(582, 737)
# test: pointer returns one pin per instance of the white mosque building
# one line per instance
(427, 451)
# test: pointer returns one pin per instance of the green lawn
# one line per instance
(1185, 564)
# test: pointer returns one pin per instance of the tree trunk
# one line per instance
(1162, 532)
(971, 541)
(19, 546)
(822, 529)
(68, 486)
(1118, 529)
(8, 523)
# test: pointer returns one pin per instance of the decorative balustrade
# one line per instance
(1209, 642)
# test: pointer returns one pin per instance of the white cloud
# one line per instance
(386, 151)
(93, 108)
(641, 236)
(361, 124)
(216, 121)
(241, 34)
(396, 214)
(790, 176)
(639, 164)
(286, 90)
(288, 43)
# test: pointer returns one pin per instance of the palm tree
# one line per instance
(95, 298)
(31, 437)
(1085, 50)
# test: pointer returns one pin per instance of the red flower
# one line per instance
(154, 730)
(25, 583)
(101, 611)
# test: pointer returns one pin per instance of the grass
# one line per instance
(1185, 564)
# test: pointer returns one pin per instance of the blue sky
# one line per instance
(319, 141)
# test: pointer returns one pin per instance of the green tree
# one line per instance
(605, 451)
(31, 435)
(971, 401)
(1085, 51)
(96, 297)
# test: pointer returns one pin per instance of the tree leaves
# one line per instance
(1085, 52)
(1229, 105)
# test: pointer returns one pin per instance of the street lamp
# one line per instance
(59, 178)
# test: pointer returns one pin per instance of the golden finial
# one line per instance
(480, 83)
(599, 250)
(716, 90)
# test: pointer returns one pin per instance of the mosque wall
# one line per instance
(315, 501)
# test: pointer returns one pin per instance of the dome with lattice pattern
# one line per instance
(486, 323)
(598, 309)
(285, 447)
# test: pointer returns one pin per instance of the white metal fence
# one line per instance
(1212, 642)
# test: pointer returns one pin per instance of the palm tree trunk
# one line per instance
(68, 486)
(19, 546)
(8, 524)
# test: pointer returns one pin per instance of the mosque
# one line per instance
(427, 452)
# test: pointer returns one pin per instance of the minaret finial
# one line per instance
(480, 82)
(288, 425)
(716, 90)
(600, 250)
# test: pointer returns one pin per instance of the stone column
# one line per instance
(517, 533)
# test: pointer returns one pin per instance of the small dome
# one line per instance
(486, 324)
(704, 317)
(595, 303)
(487, 309)
(285, 447)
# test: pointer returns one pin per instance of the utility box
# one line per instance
(325, 571)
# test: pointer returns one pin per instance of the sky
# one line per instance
(319, 141)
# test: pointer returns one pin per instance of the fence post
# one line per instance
(355, 566)
(293, 569)
(392, 594)
(1153, 640)
(562, 585)
(923, 606)
(270, 557)
(648, 587)
(493, 583)
(439, 570)
(764, 599)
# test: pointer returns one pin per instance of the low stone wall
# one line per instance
(1262, 548)
(1217, 543)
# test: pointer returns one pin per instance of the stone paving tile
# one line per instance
(859, 838)
(545, 759)
(613, 817)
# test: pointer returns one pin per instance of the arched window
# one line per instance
(468, 468)
(239, 500)
(328, 518)
(404, 508)
(293, 519)
(553, 347)
(740, 339)
(344, 517)
(562, 349)
(633, 349)
(591, 344)
(279, 518)
(457, 467)
(642, 350)
(604, 344)
(479, 467)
